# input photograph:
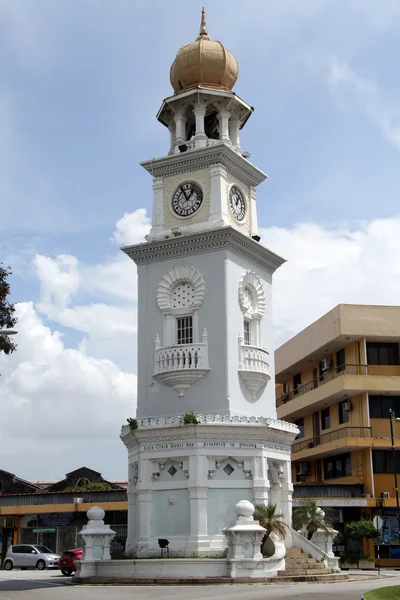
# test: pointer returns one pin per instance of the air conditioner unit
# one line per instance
(302, 468)
(325, 364)
(385, 495)
(78, 500)
(347, 406)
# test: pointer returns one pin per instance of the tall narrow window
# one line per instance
(246, 332)
(184, 330)
(340, 360)
(325, 418)
(297, 383)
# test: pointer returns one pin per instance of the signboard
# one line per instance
(43, 530)
(334, 502)
(377, 521)
(54, 520)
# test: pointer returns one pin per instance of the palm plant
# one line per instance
(310, 516)
(271, 521)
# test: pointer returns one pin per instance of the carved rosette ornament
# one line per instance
(251, 296)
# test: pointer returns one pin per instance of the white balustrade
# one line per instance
(182, 357)
(253, 358)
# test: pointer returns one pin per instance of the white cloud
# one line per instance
(64, 281)
(132, 228)
(365, 95)
(330, 266)
(57, 400)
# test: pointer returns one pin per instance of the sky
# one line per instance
(81, 83)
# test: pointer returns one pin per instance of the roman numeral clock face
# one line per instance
(187, 199)
(237, 203)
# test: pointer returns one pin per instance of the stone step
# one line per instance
(316, 578)
(301, 560)
(290, 551)
(291, 572)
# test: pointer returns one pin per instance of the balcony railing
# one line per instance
(324, 378)
(331, 436)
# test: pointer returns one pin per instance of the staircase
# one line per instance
(300, 567)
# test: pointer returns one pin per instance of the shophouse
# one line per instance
(53, 513)
(339, 381)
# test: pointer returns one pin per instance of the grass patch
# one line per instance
(386, 593)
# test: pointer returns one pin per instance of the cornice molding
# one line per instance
(206, 157)
(225, 238)
(253, 429)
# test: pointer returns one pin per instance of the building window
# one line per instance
(382, 461)
(340, 360)
(379, 406)
(343, 414)
(379, 353)
(325, 418)
(300, 425)
(246, 330)
(184, 330)
(337, 466)
(296, 383)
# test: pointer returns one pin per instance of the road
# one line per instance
(50, 585)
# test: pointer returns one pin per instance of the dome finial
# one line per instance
(203, 35)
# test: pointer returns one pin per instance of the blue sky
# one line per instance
(81, 84)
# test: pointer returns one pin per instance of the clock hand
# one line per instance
(184, 193)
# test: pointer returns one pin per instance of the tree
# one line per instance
(360, 530)
(7, 310)
(310, 516)
(272, 522)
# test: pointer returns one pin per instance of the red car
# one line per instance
(68, 559)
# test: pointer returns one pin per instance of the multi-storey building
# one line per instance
(337, 380)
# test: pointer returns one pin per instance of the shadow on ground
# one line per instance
(14, 585)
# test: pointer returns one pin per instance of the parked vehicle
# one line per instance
(30, 556)
(68, 560)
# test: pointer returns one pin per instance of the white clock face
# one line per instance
(187, 199)
(237, 203)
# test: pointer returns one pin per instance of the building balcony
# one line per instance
(332, 442)
(182, 365)
(351, 379)
(253, 367)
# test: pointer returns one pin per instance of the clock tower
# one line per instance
(207, 434)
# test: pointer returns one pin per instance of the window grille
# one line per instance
(246, 336)
(184, 330)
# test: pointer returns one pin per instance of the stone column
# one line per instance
(234, 125)
(130, 546)
(286, 497)
(253, 211)
(172, 129)
(198, 539)
(218, 194)
(223, 119)
(158, 204)
(260, 481)
(180, 132)
(144, 508)
(200, 136)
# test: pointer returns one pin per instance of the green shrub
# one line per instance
(189, 418)
(133, 424)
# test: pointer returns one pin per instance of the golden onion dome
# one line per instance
(203, 63)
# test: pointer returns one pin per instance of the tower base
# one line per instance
(185, 480)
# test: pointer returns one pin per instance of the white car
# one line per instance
(30, 556)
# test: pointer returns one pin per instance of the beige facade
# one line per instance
(337, 380)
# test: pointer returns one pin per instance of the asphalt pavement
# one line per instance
(51, 585)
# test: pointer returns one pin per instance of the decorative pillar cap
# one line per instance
(95, 513)
(244, 508)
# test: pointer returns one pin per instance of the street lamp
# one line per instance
(393, 418)
(8, 332)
